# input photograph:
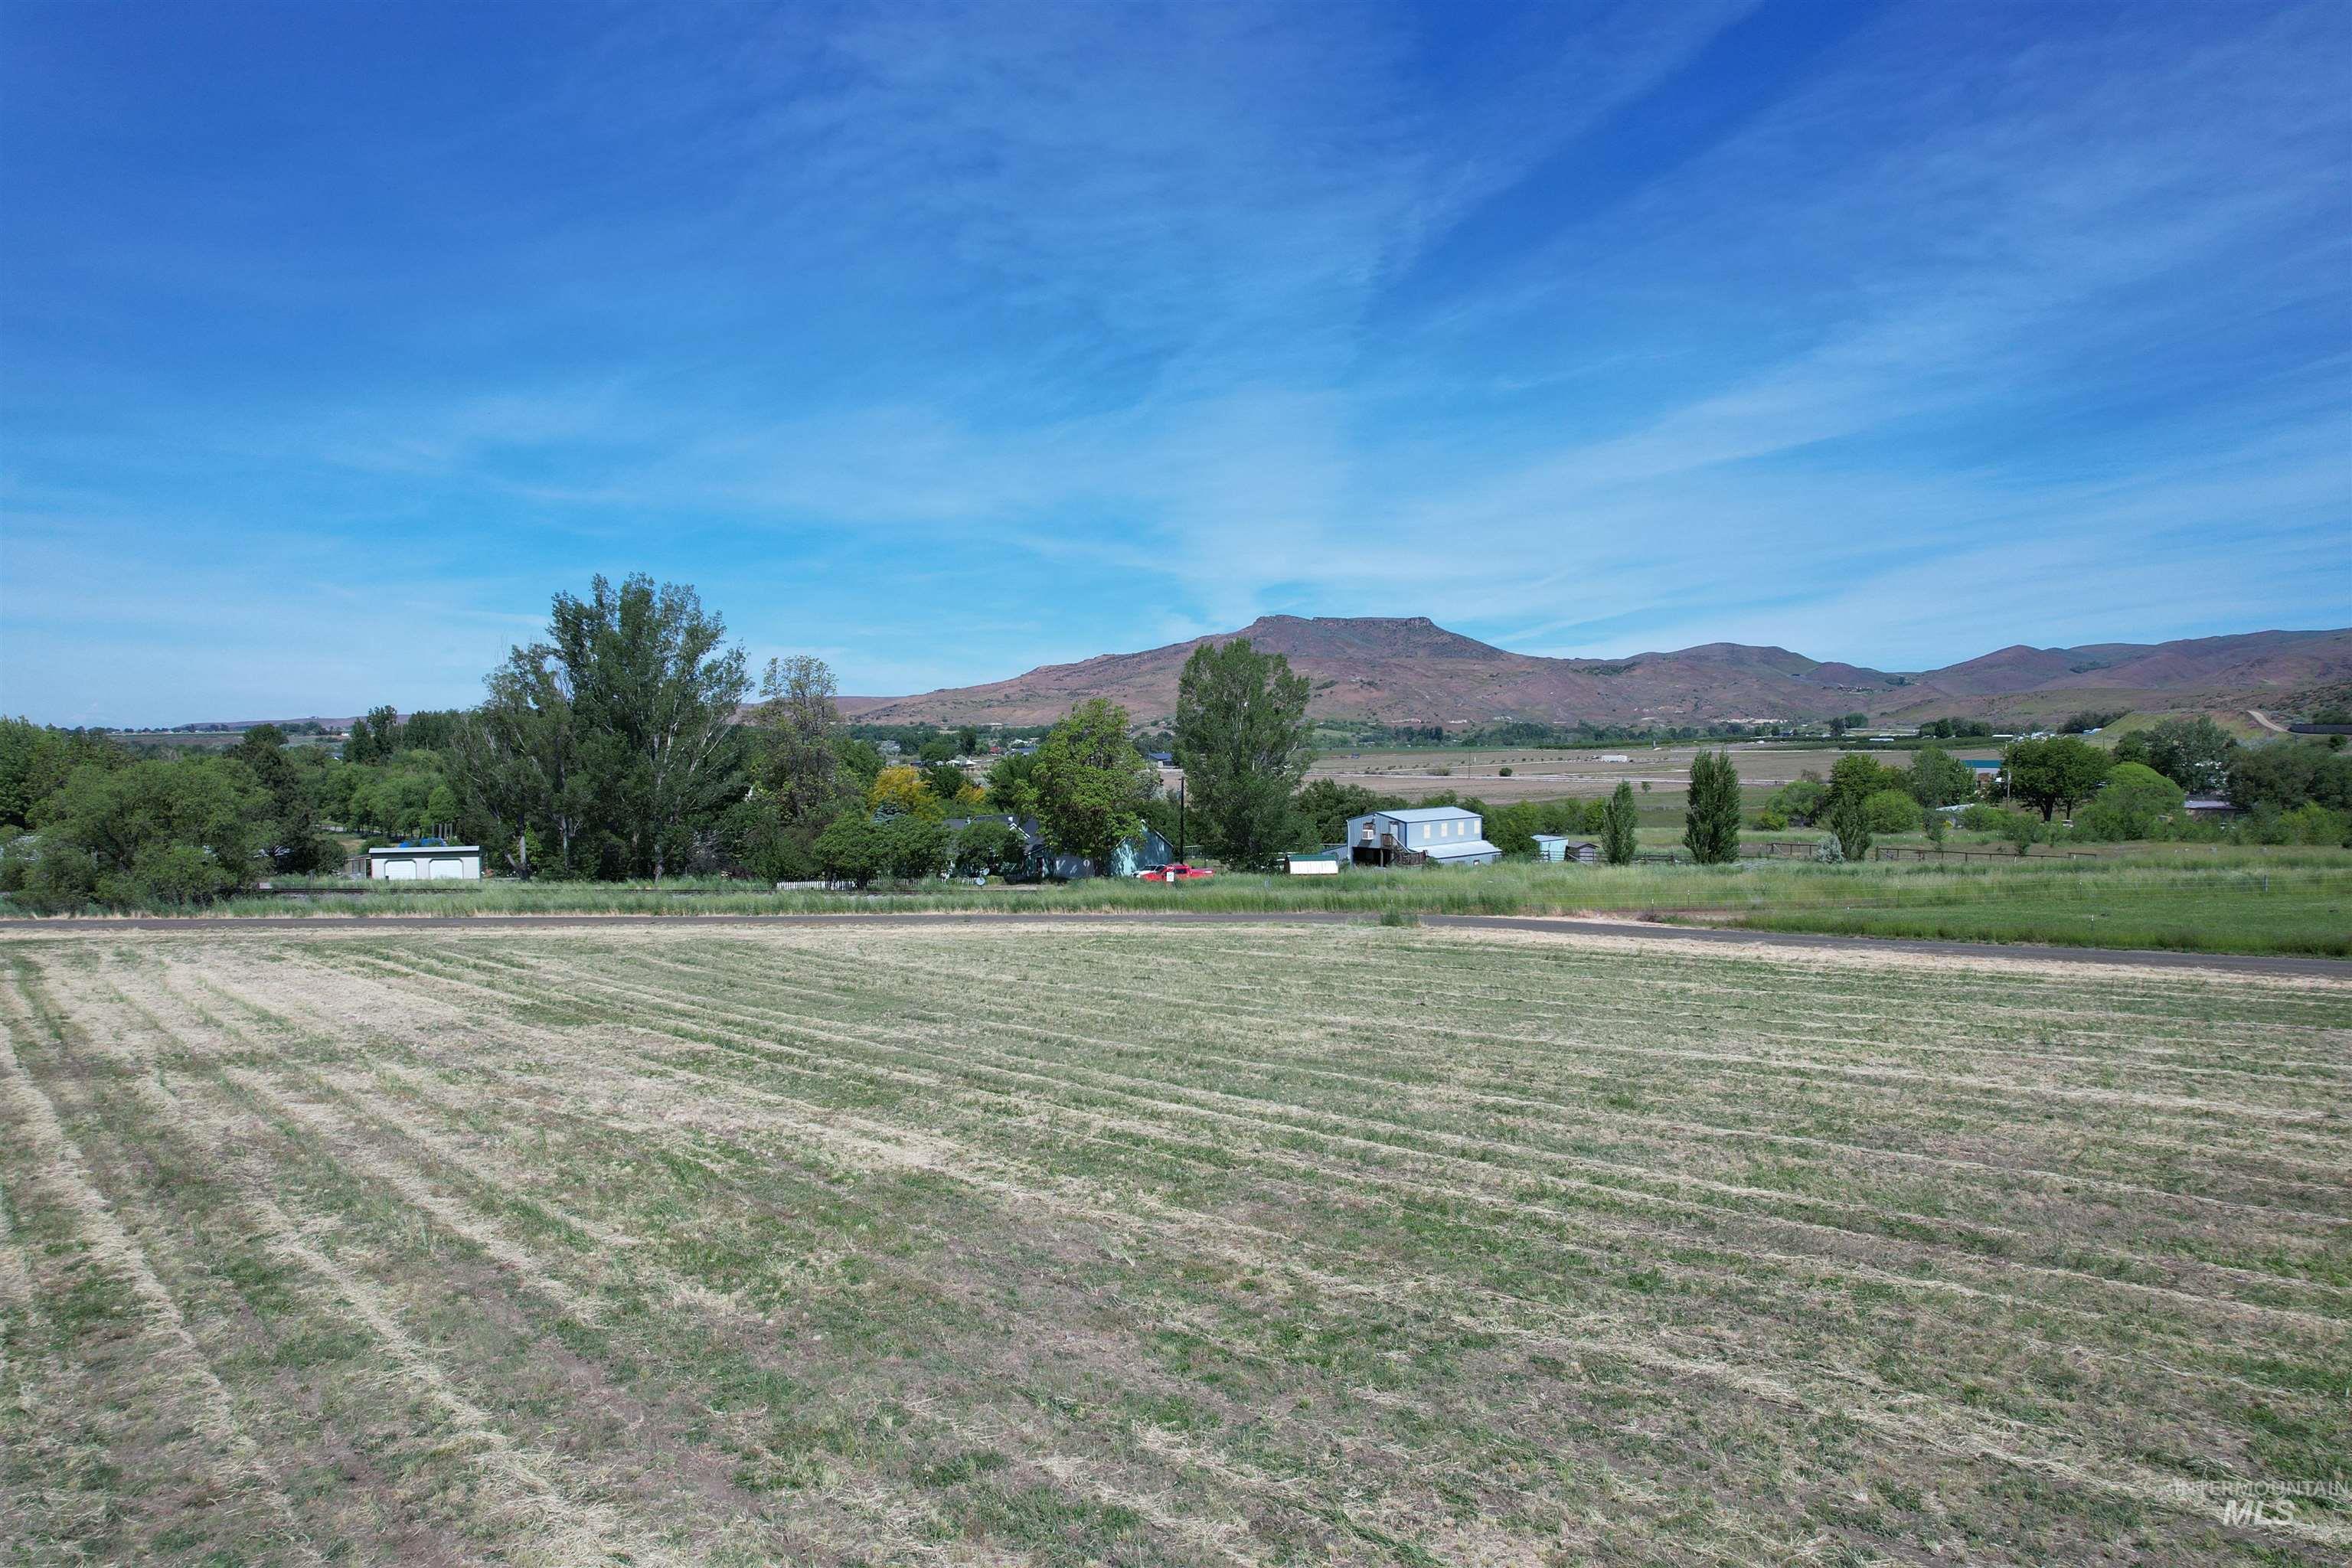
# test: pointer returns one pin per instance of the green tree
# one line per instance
(173, 833)
(656, 700)
(2192, 750)
(374, 737)
(1799, 800)
(1711, 821)
(914, 847)
(851, 848)
(1011, 785)
(990, 846)
(36, 761)
(1938, 778)
(1892, 811)
(944, 780)
(2055, 775)
(1326, 806)
(1620, 823)
(518, 767)
(1240, 738)
(1849, 819)
(1091, 783)
(2136, 802)
(297, 843)
(2285, 774)
(795, 730)
(861, 759)
(1858, 776)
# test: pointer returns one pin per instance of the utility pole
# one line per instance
(1179, 819)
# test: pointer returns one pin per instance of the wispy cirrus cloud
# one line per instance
(1052, 330)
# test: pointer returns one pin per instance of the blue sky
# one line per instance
(946, 341)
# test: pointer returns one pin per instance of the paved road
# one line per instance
(2329, 968)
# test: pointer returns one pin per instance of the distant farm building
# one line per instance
(427, 863)
(1560, 846)
(1440, 834)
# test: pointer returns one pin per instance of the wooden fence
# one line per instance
(1905, 852)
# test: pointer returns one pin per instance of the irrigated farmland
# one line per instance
(1155, 1245)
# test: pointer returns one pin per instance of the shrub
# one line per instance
(2135, 803)
(1892, 811)
(1799, 800)
(2317, 824)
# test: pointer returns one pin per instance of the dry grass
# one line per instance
(1066, 1244)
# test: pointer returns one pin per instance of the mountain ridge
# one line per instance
(1411, 670)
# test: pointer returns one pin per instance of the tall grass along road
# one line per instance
(671, 1244)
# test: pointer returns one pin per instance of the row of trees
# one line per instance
(628, 741)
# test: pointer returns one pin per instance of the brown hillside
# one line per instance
(1410, 670)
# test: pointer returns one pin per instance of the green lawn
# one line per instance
(2309, 915)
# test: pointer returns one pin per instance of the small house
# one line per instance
(428, 862)
(1560, 847)
(1147, 851)
(1443, 835)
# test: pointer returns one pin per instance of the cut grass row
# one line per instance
(2193, 899)
(1249, 1245)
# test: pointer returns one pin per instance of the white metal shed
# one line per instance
(427, 863)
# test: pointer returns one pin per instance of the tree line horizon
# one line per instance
(630, 742)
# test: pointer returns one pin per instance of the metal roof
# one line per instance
(1460, 848)
(1425, 814)
(428, 849)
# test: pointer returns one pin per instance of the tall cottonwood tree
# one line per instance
(796, 779)
(1240, 738)
(658, 700)
(617, 739)
(1711, 822)
(518, 763)
(1621, 821)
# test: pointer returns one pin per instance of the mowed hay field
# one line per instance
(1160, 1245)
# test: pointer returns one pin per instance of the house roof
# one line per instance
(1425, 814)
(428, 849)
(1460, 849)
